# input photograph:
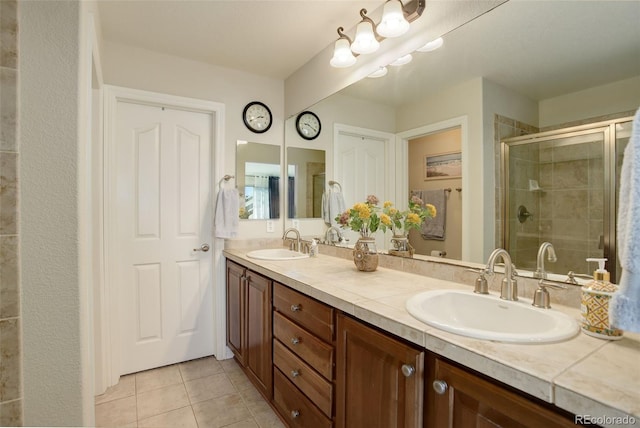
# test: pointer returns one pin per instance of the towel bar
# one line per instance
(335, 183)
(226, 178)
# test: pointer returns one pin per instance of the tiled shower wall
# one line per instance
(505, 127)
(10, 336)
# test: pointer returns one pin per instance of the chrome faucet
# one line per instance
(551, 256)
(328, 236)
(509, 288)
(294, 245)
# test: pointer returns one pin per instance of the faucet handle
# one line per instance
(541, 297)
(481, 286)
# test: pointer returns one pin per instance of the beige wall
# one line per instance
(598, 101)
(432, 144)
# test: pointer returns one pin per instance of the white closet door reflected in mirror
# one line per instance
(258, 179)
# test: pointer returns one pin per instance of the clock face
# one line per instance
(308, 125)
(257, 117)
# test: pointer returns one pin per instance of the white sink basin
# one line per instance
(276, 254)
(490, 318)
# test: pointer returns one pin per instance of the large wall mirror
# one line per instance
(258, 177)
(306, 177)
(523, 67)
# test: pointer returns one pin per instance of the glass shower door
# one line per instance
(556, 194)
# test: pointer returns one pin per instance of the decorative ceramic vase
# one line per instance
(365, 254)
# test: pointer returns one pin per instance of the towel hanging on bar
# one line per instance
(434, 228)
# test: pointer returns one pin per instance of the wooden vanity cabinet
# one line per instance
(458, 398)
(249, 324)
(379, 379)
(304, 357)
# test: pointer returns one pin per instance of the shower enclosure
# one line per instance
(562, 187)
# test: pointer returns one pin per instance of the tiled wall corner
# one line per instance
(11, 412)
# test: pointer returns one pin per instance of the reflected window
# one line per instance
(261, 191)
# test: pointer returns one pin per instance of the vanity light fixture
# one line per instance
(393, 23)
(382, 71)
(396, 19)
(342, 55)
(432, 45)
(406, 59)
(365, 41)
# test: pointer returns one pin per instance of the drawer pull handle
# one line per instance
(295, 340)
(296, 308)
(440, 386)
(408, 370)
(295, 373)
(295, 414)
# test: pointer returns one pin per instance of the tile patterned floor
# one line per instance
(194, 394)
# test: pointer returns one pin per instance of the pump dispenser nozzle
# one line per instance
(601, 273)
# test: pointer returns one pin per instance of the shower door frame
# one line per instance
(608, 130)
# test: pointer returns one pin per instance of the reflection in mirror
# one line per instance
(305, 182)
(507, 73)
(258, 180)
(435, 176)
(556, 189)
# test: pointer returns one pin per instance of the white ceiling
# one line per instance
(538, 48)
(266, 37)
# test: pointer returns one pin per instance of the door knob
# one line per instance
(204, 248)
(440, 386)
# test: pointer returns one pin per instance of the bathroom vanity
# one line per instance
(329, 346)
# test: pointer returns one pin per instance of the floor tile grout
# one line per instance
(239, 388)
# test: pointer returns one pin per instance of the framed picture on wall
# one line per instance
(443, 165)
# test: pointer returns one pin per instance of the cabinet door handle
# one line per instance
(440, 386)
(295, 414)
(295, 340)
(408, 370)
(296, 308)
(295, 373)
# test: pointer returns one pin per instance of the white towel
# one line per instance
(227, 213)
(336, 207)
(434, 228)
(325, 208)
(624, 311)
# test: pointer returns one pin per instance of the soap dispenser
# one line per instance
(596, 296)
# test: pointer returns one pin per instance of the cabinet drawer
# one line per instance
(314, 386)
(309, 313)
(312, 350)
(297, 409)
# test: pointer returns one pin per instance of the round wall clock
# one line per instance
(308, 125)
(257, 117)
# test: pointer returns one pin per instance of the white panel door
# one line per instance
(164, 210)
(360, 169)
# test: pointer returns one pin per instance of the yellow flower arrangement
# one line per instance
(362, 217)
(400, 222)
(366, 217)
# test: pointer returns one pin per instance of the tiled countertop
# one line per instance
(584, 375)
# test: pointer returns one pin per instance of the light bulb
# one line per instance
(432, 45)
(382, 71)
(393, 22)
(406, 59)
(365, 41)
(342, 55)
